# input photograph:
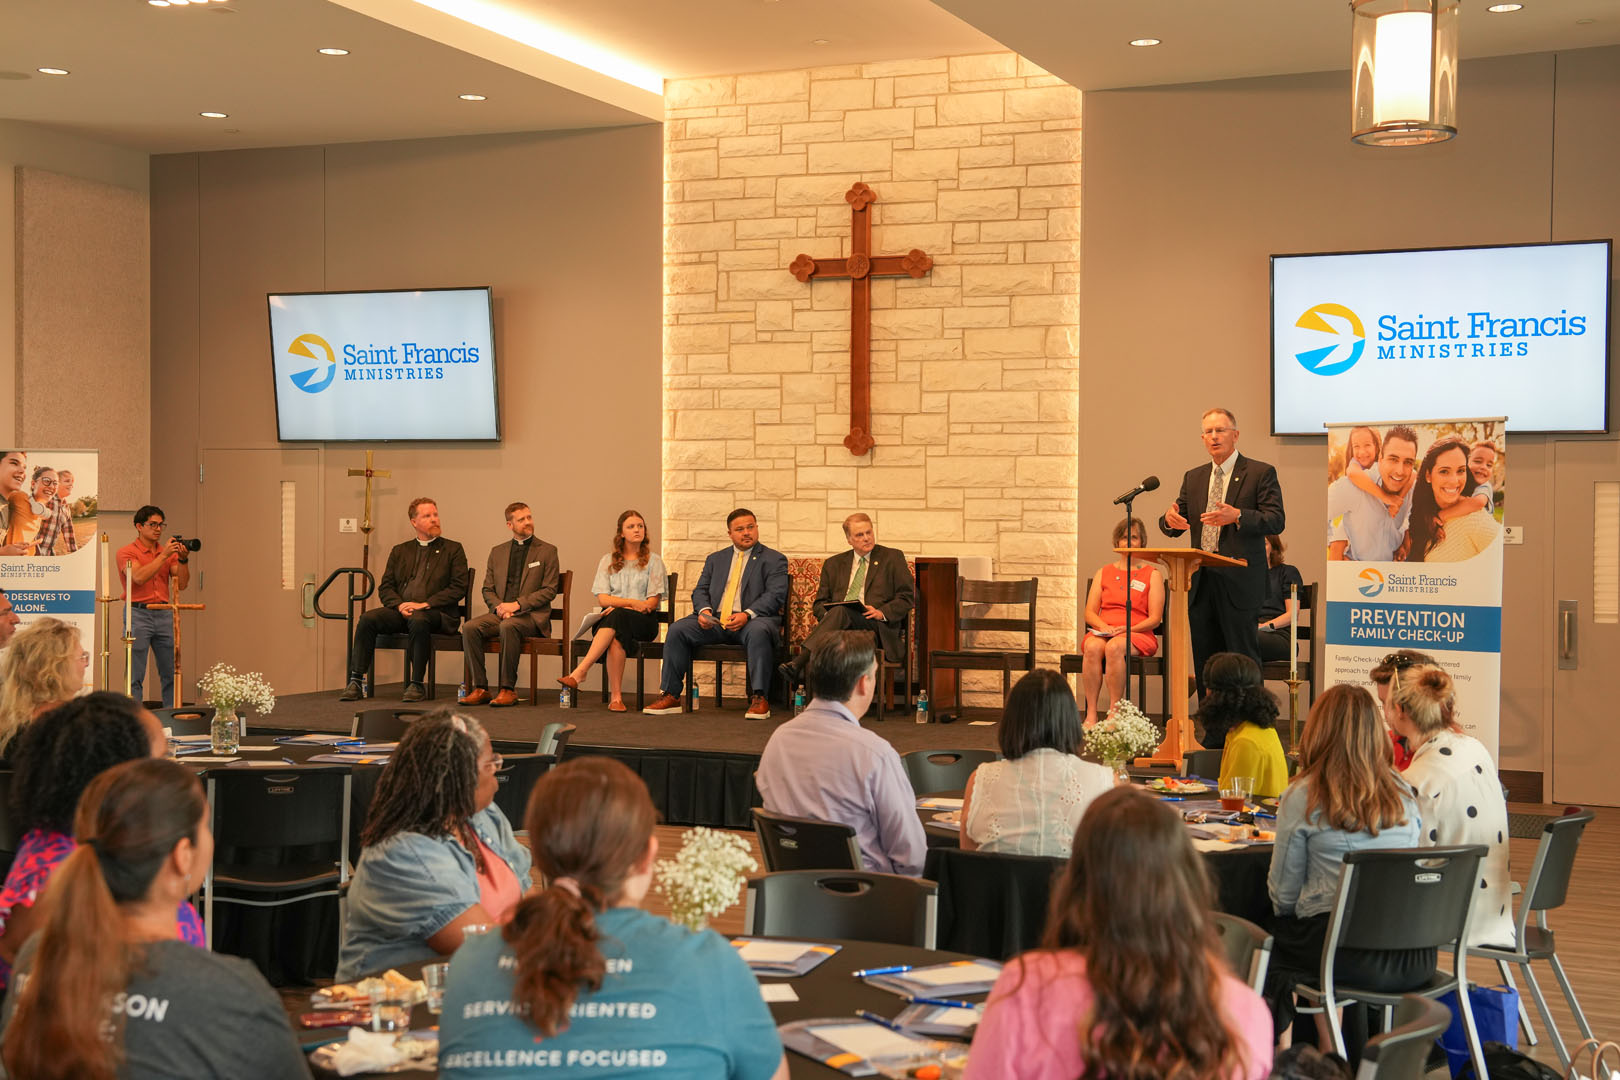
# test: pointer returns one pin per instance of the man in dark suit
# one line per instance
(421, 591)
(740, 599)
(877, 581)
(1233, 503)
(519, 584)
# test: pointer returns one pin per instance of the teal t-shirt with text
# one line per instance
(674, 1003)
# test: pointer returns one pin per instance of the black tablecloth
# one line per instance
(829, 990)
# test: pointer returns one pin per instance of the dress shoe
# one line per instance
(504, 700)
(758, 708)
(569, 681)
(663, 704)
(790, 674)
(351, 692)
(413, 692)
(478, 695)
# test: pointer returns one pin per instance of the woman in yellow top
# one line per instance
(1241, 710)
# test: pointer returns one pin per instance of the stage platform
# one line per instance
(699, 766)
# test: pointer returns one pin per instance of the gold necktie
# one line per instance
(738, 561)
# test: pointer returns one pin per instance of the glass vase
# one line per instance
(1122, 772)
(224, 731)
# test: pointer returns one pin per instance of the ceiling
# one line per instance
(141, 74)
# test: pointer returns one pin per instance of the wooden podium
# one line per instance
(1182, 561)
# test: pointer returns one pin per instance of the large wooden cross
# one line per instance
(861, 267)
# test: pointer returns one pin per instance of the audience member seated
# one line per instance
(1131, 980)
(1240, 714)
(42, 667)
(1347, 797)
(1458, 789)
(436, 854)
(822, 764)
(585, 969)
(629, 584)
(1104, 644)
(105, 988)
(1280, 605)
(58, 756)
(1386, 675)
(1030, 803)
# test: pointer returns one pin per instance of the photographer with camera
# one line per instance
(155, 564)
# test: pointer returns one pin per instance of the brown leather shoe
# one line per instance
(478, 695)
(503, 699)
(569, 681)
(758, 708)
(663, 704)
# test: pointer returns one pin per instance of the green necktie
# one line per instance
(858, 581)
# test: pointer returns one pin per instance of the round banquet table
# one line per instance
(829, 990)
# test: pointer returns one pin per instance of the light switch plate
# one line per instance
(347, 525)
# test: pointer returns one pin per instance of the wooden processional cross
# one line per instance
(861, 267)
(365, 522)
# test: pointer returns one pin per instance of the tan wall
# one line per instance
(974, 159)
(563, 226)
(1190, 188)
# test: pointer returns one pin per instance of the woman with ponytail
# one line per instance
(581, 981)
(105, 989)
(1131, 982)
(1240, 716)
(1459, 791)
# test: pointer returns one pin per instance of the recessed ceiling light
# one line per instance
(214, 115)
(333, 52)
(1146, 42)
(1501, 9)
(52, 71)
(158, 3)
(472, 97)
(819, 41)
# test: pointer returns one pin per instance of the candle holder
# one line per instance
(106, 603)
(1294, 683)
(129, 664)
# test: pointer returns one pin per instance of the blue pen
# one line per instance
(895, 970)
(1171, 798)
(947, 1002)
(866, 1014)
(1261, 813)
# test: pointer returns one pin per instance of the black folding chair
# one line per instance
(517, 775)
(795, 843)
(1202, 763)
(186, 719)
(991, 904)
(1402, 1052)
(554, 737)
(932, 771)
(383, 725)
(855, 905)
(1248, 948)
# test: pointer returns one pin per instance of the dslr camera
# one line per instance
(190, 544)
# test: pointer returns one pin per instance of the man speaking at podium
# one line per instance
(1232, 503)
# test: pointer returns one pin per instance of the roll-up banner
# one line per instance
(1414, 548)
(49, 537)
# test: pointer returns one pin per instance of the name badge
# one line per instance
(534, 564)
(1139, 586)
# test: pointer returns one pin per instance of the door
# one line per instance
(260, 513)
(1586, 580)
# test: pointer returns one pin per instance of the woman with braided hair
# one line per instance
(437, 855)
(582, 982)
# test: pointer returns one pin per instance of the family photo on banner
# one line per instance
(49, 534)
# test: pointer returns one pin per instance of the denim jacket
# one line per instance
(1308, 861)
(411, 886)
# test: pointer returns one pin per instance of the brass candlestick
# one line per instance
(1294, 683)
(129, 664)
(106, 603)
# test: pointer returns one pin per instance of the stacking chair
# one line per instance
(554, 737)
(795, 843)
(991, 904)
(1202, 763)
(933, 771)
(186, 719)
(437, 644)
(383, 725)
(363, 780)
(275, 834)
(1248, 949)
(517, 776)
(1401, 898)
(1547, 888)
(855, 905)
(1277, 670)
(1005, 661)
(1403, 1050)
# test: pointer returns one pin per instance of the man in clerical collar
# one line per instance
(421, 590)
(520, 583)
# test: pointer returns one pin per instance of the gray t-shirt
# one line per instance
(192, 1013)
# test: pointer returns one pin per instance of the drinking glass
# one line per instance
(434, 976)
(391, 1009)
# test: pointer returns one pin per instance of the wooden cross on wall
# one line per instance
(861, 267)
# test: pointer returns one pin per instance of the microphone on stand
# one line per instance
(1150, 484)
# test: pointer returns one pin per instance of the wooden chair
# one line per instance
(649, 650)
(1140, 666)
(1005, 661)
(536, 647)
(1277, 670)
(439, 643)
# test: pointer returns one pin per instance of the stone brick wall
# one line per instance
(974, 159)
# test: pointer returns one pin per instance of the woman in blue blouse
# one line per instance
(437, 855)
(629, 586)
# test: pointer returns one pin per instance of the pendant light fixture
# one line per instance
(1403, 71)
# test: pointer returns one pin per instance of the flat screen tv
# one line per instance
(1520, 331)
(416, 365)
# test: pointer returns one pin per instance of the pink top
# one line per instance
(1028, 1033)
(498, 888)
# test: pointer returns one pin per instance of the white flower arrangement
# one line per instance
(227, 690)
(1124, 734)
(704, 878)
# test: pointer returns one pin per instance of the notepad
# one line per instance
(778, 992)
(317, 740)
(212, 759)
(782, 957)
(866, 1039)
(244, 764)
(953, 974)
(189, 738)
(773, 952)
(367, 748)
(954, 1017)
(936, 802)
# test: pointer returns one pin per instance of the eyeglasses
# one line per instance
(494, 763)
(1218, 430)
(84, 658)
(152, 524)
(47, 483)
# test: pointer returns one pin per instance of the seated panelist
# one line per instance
(869, 587)
(629, 586)
(519, 585)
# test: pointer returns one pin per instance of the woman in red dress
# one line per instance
(1104, 643)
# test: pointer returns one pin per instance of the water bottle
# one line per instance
(565, 699)
(461, 694)
(692, 693)
(922, 707)
(798, 700)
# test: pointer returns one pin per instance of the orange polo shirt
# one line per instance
(155, 591)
